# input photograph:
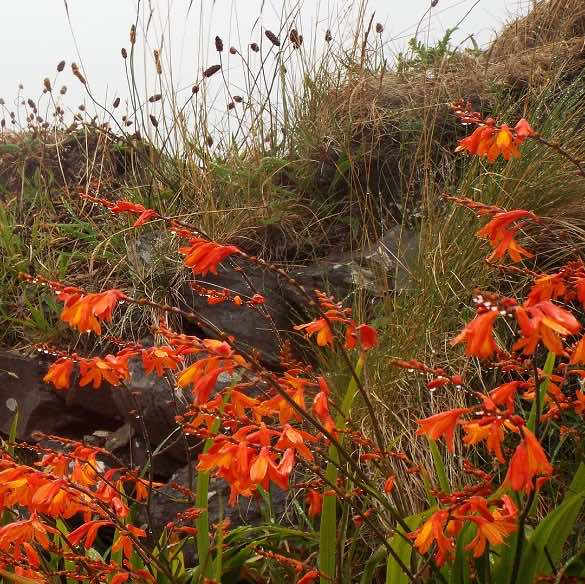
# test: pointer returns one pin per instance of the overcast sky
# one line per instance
(37, 34)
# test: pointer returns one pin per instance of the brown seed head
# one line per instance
(295, 38)
(272, 38)
(156, 97)
(233, 50)
(231, 105)
(153, 121)
(31, 104)
(209, 140)
(77, 72)
(328, 37)
(195, 89)
(254, 47)
(211, 70)
(132, 34)
(157, 62)
(238, 98)
(116, 103)
(379, 27)
(124, 53)
(63, 90)
(61, 66)
(218, 44)
(47, 83)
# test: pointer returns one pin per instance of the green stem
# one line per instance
(201, 502)
(328, 528)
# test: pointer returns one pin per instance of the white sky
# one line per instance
(36, 34)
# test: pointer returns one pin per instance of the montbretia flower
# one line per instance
(478, 335)
(159, 359)
(500, 232)
(144, 215)
(492, 433)
(87, 532)
(321, 406)
(315, 500)
(125, 543)
(544, 322)
(491, 141)
(321, 328)
(204, 256)
(59, 373)
(433, 531)
(20, 536)
(112, 369)
(202, 376)
(364, 333)
(528, 462)
(441, 425)
(492, 526)
(84, 312)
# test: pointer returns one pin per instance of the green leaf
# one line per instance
(460, 568)
(543, 388)
(403, 550)
(328, 527)
(439, 466)
(552, 532)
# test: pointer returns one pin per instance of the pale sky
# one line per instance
(36, 35)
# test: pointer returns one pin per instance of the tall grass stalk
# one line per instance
(328, 528)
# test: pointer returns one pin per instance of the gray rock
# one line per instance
(263, 328)
(40, 408)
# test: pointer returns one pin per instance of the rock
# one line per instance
(263, 328)
(40, 408)
(382, 267)
(149, 405)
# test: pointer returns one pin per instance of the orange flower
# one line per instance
(578, 354)
(479, 141)
(295, 439)
(547, 287)
(367, 335)
(432, 531)
(144, 214)
(500, 233)
(478, 335)
(494, 528)
(321, 406)
(202, 376)
(59, 373)
(204, 256)
(309, 577)
(88, 531)
(544, 322)
(441, 425)
(14, 537)
(492, 433)
(322, 328)
(160, 358)
(389, 484)
(503, 394)
(125, 543)
(83, 313)
(489, 141)
(96, 370)
(523, 130)
(528, 461)
(315, 500)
